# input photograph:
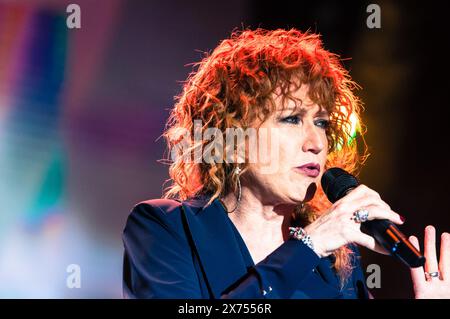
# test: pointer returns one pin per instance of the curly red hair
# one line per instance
(234, 85)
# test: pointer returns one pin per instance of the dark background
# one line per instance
(81, 112)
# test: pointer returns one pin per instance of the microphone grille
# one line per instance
(336, 182)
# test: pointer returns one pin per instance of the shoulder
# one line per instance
(162, 214)
(155, 208)
(154, 214)
(169, 207)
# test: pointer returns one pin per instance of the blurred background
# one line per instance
(82, 110)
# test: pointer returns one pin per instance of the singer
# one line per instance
(249, 219)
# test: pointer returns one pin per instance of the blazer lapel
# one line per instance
(222, 260)
(215, 242)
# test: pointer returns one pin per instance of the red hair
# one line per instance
(234, 85)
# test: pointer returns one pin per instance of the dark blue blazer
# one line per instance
(186, 249)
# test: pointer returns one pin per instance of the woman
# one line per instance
(236, 225)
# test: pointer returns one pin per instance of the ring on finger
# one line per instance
(431, 275)
(361, 215)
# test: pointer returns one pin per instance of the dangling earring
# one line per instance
(237, 171)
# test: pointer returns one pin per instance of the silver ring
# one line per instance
(361, 215)
(431, 275)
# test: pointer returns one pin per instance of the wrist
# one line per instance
(300, 234)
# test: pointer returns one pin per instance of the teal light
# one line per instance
(48, 199)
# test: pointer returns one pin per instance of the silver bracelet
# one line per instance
(300, 234)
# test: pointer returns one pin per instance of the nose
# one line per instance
(314, 139)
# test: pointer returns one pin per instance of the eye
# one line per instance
(293, 119)
(323, 123)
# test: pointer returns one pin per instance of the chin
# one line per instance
(297, 198)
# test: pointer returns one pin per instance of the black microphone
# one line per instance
(336, 183)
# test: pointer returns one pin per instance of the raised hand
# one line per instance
(433, 282)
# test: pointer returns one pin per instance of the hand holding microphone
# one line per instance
(359, 215)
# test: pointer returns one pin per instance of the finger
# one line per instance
(364, 196)
(444, 259)
(369, 242)
(367, 200)
(431, 264)
(360, 191)
(377, 212)
(417, 274)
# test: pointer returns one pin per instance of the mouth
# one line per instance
(309, 169)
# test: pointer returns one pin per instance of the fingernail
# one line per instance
(402, 218)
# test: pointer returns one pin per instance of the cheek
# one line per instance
(324, 155)
(275, 151)
(289, 151)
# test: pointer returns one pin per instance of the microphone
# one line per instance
(336, 183)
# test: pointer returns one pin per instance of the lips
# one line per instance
(309, 169)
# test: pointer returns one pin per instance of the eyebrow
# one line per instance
(302, 111)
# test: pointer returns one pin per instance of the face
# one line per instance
(297, 138)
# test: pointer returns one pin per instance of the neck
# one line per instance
(253, 217)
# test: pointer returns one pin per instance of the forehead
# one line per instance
(298, 101)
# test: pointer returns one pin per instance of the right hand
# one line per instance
(336, 227)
